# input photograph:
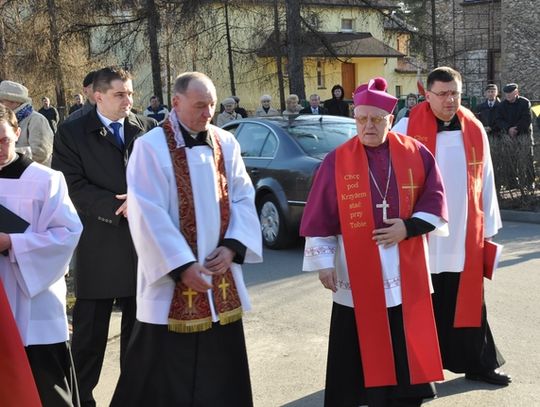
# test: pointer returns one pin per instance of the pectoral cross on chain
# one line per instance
(384, 205)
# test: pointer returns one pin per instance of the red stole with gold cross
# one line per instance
(423, 127)
(365, 272)
(190, 310)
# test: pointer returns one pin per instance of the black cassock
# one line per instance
(344, 375)
(463, 350)
(203, 369)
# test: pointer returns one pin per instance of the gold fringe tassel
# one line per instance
(191, 326)
(231, 316)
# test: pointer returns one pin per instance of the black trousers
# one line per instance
(90, 332)
(204, 369)
(344, 374)
(463, 350)
(54, 374)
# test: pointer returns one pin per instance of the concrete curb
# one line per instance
(520, 216)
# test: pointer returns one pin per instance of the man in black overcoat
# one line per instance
(486, 110)
(92, 152)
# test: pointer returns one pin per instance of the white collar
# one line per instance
(107, 122)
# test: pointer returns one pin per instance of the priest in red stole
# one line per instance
(372, 202)
(459, 143)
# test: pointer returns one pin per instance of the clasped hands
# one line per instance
(392, 234)
(217, 262)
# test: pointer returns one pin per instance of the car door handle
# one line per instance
(254, 171)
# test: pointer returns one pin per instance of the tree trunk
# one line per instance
(152, 29)
(229, 49)
(294, 49)
(279, 62)
(3, 51)
(56, 59)
(434, 35)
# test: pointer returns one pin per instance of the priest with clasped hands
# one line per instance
(372, 203)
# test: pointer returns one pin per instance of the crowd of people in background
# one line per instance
(512, 115)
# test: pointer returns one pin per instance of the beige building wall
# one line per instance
(250, 27)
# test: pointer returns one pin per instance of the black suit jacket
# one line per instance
(487, 114)
(307, 110)
(95, 170)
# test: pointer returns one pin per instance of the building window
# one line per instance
(320, 74)
(347, 25)
(398, 91)
(403, 44)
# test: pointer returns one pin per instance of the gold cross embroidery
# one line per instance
(411, 186)
(224, 285)
(474, 162)
(190, 294)
(477, 184)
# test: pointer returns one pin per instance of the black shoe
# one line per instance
(495, 377)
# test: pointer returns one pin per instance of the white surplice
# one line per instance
(154, 219)
(33, 273)
(329, 252)
(448, 253)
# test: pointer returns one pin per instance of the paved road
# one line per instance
(287, 331)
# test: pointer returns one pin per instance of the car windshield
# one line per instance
(318, 139)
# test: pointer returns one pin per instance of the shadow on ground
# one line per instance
(460, 385)
(314, 399)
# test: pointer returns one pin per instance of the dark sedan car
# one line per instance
(281, 156)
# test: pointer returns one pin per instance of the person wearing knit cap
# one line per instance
(372, 203)
(460, 145)
(36, 139)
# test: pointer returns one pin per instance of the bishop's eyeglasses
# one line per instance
(376, 120)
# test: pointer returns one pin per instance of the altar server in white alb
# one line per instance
(460, 145)
(193, 222)
(33, 263)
